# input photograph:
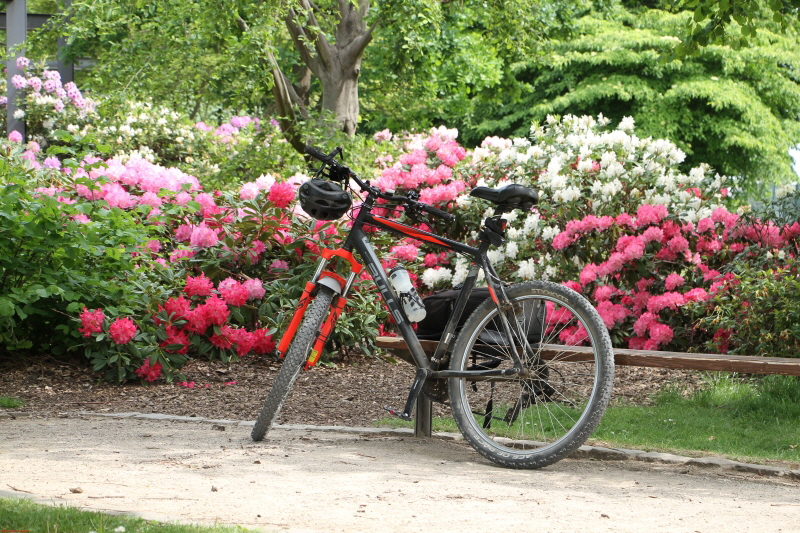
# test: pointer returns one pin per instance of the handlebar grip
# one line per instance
(317, 154)
(437, 212)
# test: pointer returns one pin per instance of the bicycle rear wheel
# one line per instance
(534, 420)
(296, 355)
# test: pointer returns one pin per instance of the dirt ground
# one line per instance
(352, 393)
(303, 481)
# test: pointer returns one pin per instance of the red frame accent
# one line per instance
(493, 295)
(411, 232)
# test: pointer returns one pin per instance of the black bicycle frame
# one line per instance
(357, 240)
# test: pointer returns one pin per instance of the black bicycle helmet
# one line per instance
(324, 200)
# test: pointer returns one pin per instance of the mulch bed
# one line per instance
(354, 392)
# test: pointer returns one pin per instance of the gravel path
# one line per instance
(302, 480)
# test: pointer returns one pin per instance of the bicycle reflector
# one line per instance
(324, 200)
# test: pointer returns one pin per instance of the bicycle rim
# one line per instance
(533, 421)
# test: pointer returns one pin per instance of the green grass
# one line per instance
(9, 402)
(751, 420)
(23, 515)
(742, 419)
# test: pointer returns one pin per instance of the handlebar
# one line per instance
(321, 156)
(339, 171)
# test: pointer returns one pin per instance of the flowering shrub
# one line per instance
(46, 104)
(239, 258)
(617, 221)
(236, 151)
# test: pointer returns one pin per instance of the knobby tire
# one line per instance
(538, 420)
(296, 355)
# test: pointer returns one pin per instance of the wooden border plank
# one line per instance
(745, 364)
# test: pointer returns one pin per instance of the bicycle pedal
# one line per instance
(399, 414)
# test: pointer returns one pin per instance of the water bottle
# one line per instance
(407, 294)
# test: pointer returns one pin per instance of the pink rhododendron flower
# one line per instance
(177, 308)
(15, 136)
(611, 313)
(678, 244)
(244, 341)
(35, 83)
(176, 342)
(147, 372)
(725, 217)
(623, 219)
(254, 288)
(279, 264)
(233, 292)
(384, 135)
(91, 322)
(604, 292)
(698, 294)
(652, 233)
(215, 310)
(407, 252)
(574, 285)
(643, 323)
(650, 214)
(224, 339)
(198, 286)
(122, 330)
(588, 274)
(177, 255)
(154, 245)
(281, 194)
(668, 300)
(673, 280)
(661, 333)
(248, 191)
(203, 236)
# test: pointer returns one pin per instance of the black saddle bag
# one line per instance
(440, 306)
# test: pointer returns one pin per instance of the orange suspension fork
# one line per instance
(302, 305)
(325, 332)
(305, 300)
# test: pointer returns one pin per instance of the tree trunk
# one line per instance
(338, 64)
(340, 95)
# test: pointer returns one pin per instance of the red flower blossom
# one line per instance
(198, 286)
(91, 322)
(262, 341)
(147, 372)
(122, 330)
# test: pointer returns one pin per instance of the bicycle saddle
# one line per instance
(513, 195)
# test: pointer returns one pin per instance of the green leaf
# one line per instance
(6, 307)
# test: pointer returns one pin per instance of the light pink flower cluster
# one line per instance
(430, 163)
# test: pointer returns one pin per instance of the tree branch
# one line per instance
(321, 44)
(300, 40)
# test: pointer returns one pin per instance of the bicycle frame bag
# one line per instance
(440, 305)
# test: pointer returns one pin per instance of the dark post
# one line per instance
(423, 419)
(16, 28)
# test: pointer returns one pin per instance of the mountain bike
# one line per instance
(529, 374)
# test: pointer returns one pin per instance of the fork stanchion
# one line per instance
(423, 418)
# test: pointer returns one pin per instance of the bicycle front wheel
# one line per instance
(296, 355)
(537, 418)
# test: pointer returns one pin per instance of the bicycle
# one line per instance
(519, 398)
